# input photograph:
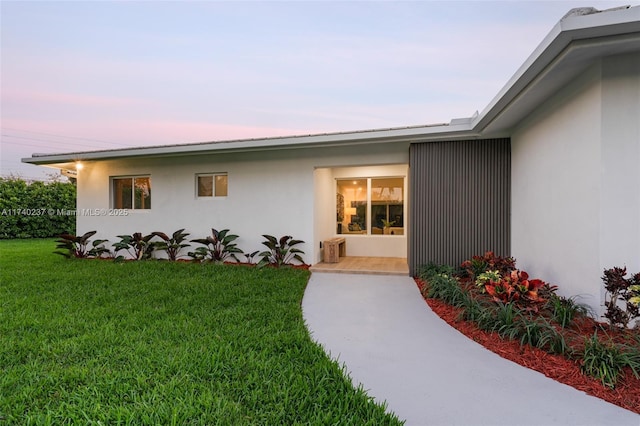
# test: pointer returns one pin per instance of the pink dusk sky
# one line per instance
(81, 76)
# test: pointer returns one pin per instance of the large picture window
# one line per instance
(132, 193)
(370, 206)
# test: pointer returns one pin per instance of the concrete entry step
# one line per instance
(365, 265)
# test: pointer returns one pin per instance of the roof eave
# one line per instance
(397, 135)
(568, 31)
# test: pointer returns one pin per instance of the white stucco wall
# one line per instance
(269, 192)
(620, 195)
(576, 179)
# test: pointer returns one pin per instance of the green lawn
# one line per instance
(98, 342)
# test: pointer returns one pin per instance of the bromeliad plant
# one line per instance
(77, 246)
(172, 245)
(137, 245)
(281, 251)
(218, 248)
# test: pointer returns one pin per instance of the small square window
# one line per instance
(211, 185)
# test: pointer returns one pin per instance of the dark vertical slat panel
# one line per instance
(460, 194)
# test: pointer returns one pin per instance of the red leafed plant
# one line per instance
(489, 261)
(515, 287)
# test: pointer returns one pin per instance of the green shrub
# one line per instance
(36, 210)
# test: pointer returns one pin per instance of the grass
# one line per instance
(98, 342)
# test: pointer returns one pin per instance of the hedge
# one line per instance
(36, 210)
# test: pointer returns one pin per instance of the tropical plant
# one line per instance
(506, 315)
(535, 331)
(77, 246)
(473, 307)
(441, 284)
(172, 245)
(431, 269)
(489, 261)
(606, 360)
(250, 256)
(565, 310)
(486, 277)
(218, 247)
(138, 246)
(281, 251)
(621, 290)
(515, 287)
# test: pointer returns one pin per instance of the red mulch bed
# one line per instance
(626, 393)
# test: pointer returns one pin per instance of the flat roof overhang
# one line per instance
(454, 130)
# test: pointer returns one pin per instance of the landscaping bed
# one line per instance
(528, 333)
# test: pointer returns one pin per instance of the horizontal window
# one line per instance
(211, 185)
(132, 193)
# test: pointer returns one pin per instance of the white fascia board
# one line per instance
(421, 133)
(570, 29)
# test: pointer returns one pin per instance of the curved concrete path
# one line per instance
(392, 344)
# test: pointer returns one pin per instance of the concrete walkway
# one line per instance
(392, 344)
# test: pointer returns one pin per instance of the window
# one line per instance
(132, 193)
(370, 206)
(211, 185)
(352, 206)
(387, 209)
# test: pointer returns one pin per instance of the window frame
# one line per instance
(369, 206)
(132, 178)
(213, 195)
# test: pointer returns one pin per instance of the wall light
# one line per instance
(79, 166)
